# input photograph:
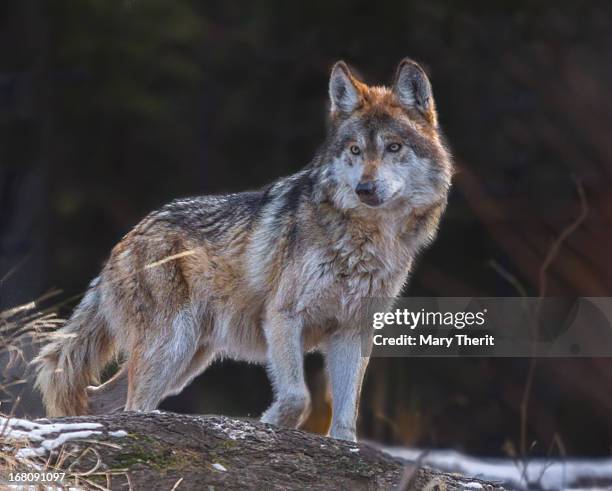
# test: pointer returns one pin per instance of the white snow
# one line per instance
(118, 433)
(52, 444)
(38, 432)
(549, 473)
(240, 430)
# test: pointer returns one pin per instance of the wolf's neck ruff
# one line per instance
(265, 276)
(369, 250)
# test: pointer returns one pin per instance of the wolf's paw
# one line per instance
(343, 433)
(287, 410)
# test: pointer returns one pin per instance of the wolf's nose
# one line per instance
(366, 191)
(365, 188)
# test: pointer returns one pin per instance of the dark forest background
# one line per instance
(109, 109)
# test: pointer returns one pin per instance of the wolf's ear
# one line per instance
(344, 92)
(413, 89)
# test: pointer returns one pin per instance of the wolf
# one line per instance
(269, 275)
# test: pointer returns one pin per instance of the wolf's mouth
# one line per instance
(371, 200)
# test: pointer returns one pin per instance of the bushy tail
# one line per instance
(74, 358)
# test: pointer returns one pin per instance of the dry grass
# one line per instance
(80, 465)
(69, 459)
(25, 325)
(22, 327)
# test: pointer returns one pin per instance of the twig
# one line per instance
(411, 473)
(550, 257)
(509, 277)
(556, 245)
(177, 483)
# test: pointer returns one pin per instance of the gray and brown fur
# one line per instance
(266, 276)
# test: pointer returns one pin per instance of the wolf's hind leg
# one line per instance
(111, 395)
(286, 371)
(156, 364)
(201, 360)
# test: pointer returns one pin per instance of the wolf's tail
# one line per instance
(74, 358)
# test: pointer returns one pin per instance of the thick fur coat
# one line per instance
(266, 276)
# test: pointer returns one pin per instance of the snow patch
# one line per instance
(39, 432)
(239, 430)
(52, 444)
(548, 473)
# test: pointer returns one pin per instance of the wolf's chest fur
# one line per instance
(347, 261)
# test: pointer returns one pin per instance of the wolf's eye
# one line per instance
(355, 150)
(394, 147)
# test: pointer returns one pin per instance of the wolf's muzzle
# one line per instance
(367, 193)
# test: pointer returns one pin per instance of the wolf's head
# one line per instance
(384, 146)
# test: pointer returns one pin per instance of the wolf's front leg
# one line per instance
(286, 371)
(347, 360)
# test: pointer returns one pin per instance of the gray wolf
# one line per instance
(266, 276)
